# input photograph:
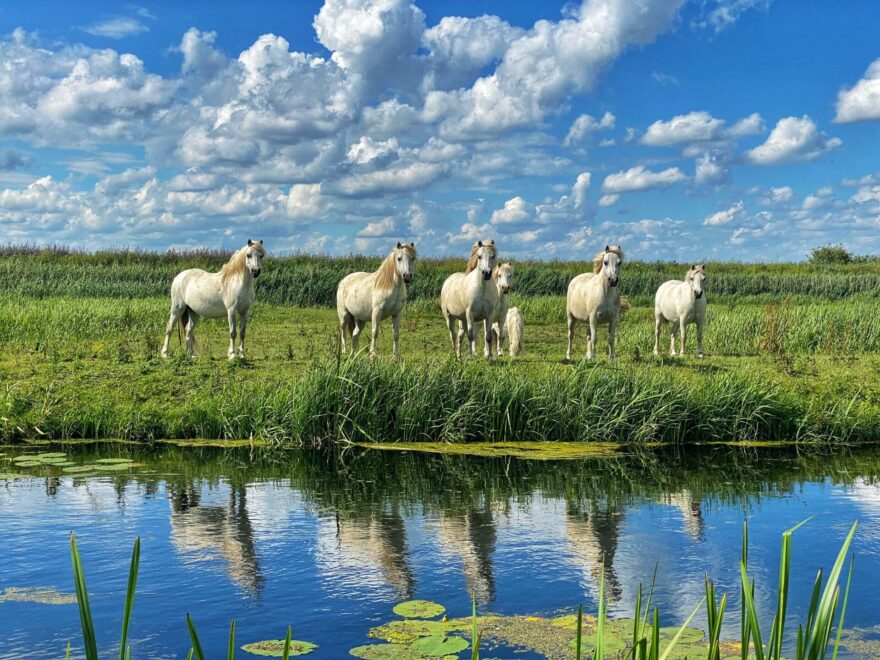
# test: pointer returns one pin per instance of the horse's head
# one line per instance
(612, 260)
(405, 255)
(255, 255)
(486, 258)
(696, 278)
(504, 274)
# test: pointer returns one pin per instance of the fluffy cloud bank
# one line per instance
(861, 102)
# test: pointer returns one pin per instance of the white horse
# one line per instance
(515, 326)
(503, 275)
(471, 297)
(681, 302)
(595, 298)
(229, 293)
(362, 297)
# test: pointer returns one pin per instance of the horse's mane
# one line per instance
(472, 261)
(600, 257)
(237, 263)
(386, 275)
(506, 266)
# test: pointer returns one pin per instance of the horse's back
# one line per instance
(199, 290)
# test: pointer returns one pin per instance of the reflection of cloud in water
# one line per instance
(365, 550)
(593, 532)
(691, 510)
(471, 537)
(206, 531)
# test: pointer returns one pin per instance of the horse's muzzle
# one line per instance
(487, 274)
(505, 290)
(256, 272)
(699, 294)
(612, 281)
(407, 278)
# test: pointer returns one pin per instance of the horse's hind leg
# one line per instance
(356, 334)
(191, 333)
(176, 313)
(490, 337)
(699, 339)
(683, 331)
(672, 338)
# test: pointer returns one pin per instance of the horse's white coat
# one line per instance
(515, 326)
(230, 293)
(503, 276)
(681, 303)
(595, 298)
(471, 297)
(373, 297)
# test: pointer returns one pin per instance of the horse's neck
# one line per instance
(477, 276)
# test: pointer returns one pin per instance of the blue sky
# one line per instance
(712, 129)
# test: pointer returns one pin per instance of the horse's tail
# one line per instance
(181, 324)
(350, 323)
(624, 306)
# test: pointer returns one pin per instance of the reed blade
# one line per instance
(230, 651)
(197, 651)
(129, 595)
(286, 654)
(82, 598)
(852, 562)
(678, 635)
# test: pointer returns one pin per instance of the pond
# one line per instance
(329, 543)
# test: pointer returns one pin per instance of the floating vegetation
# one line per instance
(117, 467)
(438, 646)
(408, 630)
(12, 475)
(79, 469)
(51, 454)
(26, 463)
(113, 461)
(419, 609)
(275, 647)
(43, 595)
(537, 450)
(388, 652)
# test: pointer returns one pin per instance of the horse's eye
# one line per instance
(400, 258)
(606, 262)
(250, 254)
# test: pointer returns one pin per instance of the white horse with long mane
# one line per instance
(681, 302)
(228, 294)
(471, 297)
(594, 298)
(502, 276)
(373, 297)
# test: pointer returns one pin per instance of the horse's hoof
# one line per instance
(700, 356)
(656, 352)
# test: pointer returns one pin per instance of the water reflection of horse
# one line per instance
(374, 540)
(593, 532)
(205, 531)
(471, 536)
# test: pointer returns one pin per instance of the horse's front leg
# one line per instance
(395, 321)
(591, 340)
(682, 324)
(500, 334)
(572, 323)
(471, 330)
(374, 330)
(230, 315)
(243, 319)
(658, 322)
(490, 335)
(175, 317)
(612, 335)
(700, 338)
(450, 325)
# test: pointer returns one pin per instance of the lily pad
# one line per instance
(437, 646)
(51, 454)
(52, 460)
(613, 643)
(404, 632)
(44, 595)
(383, 652)
(419, 609)
(275, 647)
(80, 468)
(688, 635)
(111, 461)
(117, 467)
(27, 463)
(12, 475)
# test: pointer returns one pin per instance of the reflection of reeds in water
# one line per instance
(372, 540)
(205, 531)
(471, 536)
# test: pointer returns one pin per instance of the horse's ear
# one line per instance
(492, 242)
(479, 243)
(399, 245)
(250, 242)
(260, 241)
(412, 244)
(607, 248)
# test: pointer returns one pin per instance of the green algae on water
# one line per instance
(535, 450)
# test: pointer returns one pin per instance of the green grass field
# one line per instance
(77, 362)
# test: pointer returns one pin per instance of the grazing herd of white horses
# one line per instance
(478, 295)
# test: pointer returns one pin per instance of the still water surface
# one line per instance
(329, 544)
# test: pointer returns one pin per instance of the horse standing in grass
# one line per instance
(595, 298)
(681, 303)
(503, 275)
(471, 297)
(515, 326)
(230, 293)
(362, 297)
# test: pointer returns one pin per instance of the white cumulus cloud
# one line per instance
(861, 101)
(726, 216)
(793, 139)
(640, 178)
